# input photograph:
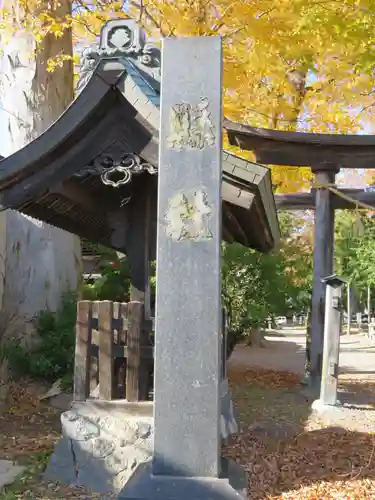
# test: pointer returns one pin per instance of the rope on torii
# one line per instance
(337, 192)
(354, 199)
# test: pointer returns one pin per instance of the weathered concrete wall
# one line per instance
(41, 263)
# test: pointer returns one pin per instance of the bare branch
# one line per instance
(144, 13)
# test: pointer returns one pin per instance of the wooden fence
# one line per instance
(118, 337)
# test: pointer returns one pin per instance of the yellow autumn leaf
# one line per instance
(288, 64)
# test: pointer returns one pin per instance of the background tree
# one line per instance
(354, 251)
(258, 286)
(288, 64)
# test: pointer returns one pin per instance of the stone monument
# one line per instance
(331, 346)
(186, 460)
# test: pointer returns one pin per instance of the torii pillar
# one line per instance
(325, 173)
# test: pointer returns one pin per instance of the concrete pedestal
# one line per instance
(232, 485)
(320, 407)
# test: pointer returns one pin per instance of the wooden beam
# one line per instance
(235, 227)
(82, 351)
(106, 358)
(236, 196)
(138, 246)
(80, 195)
(299, 201)
(133, 365)
(226, 234)
(76, 193)
(274, 147)
(115, 216)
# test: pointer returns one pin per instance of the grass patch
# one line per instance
(35, 464)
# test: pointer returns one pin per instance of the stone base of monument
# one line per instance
(103, 442)
(320, 407)
(143, 485)
(228, 420)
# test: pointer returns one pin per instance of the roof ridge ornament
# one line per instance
(121, 38)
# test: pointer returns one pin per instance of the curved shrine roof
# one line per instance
(64, 177)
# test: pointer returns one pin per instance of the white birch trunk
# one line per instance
(40, 261)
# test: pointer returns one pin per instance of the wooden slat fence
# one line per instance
(118, 337)
(113, 338)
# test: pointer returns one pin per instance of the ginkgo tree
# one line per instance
(288, 64)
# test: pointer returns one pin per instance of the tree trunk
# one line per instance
(256, 337)
(233, 339)
(40, 261)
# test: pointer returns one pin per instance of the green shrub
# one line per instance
(51, 356)
(114, 282)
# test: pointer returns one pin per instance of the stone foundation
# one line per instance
(104, 442)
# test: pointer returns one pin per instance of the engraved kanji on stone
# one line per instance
(191, 127)
(188, 217)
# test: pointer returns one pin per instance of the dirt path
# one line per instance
(286, 352)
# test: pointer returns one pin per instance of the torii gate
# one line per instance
(326, 154)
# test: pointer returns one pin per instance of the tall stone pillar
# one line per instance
(186, 460)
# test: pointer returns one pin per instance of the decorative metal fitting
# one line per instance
(127, 165)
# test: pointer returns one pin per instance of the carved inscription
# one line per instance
(188, 217)
(191, 127)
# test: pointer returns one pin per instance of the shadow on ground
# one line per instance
(289, 451)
